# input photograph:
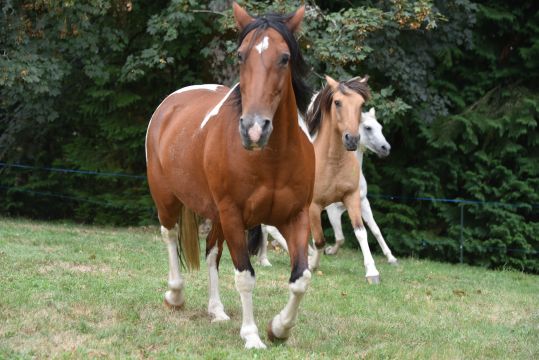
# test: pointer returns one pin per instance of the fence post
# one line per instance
(461, 233)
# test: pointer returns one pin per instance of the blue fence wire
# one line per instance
(72, 171)
(461, 202)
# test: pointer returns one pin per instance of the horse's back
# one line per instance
(174, 146)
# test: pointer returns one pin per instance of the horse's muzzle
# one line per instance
(350, 141)
(255, 132)
(384, 150)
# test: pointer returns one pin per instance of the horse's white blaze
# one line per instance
(245, 284)
(174, 296)
(286, 319)
(215, 306)
(217, 107)
(263, 45)
(210, 87)
(368, 261)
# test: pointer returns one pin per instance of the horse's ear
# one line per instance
(365, 79)
(294, 22)
(372, 111)
(332, 82)
(241, 16)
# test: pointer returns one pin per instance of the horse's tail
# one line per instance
(189, 247)
(254, 239)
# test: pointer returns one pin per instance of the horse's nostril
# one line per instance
(266, 125)
(384, 147)
(241, 121)
(347, 137)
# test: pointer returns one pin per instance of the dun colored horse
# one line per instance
(372, 139)
(238, 157)
(334, 117)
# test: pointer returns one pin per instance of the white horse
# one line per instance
(371, 138)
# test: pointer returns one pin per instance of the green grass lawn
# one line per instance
(73, 291)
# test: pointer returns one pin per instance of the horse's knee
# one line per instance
(245, 281)
(169, 235)
(300, 285)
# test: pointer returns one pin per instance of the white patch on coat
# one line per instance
(245, 284)
(209, 87)
(217, 107)
(215, 306)
(283, 322)
(263, 45)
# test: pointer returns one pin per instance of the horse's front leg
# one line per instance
(351, 202)
(318, 235)
(214, 249)
(234, 233)
(296, 232)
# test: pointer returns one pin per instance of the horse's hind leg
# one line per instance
(366, 213)
(263, 252)
(334, 214)
(169, 233)
(214, 249)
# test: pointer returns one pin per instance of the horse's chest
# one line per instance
(275, 205)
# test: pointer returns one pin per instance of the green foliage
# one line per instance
(454, 83)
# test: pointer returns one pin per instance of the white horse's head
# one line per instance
(371, 136)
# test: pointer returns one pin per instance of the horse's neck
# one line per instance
(285, 123)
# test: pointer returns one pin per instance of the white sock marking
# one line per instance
(215, 306)
(286, 319)
(245, 284)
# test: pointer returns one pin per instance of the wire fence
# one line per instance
(460, 202)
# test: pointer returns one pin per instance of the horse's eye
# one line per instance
(240, 57)
(368, 128)
(284, 59)
(337, 103)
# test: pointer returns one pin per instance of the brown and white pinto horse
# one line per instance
(334, 117)
(238, 157)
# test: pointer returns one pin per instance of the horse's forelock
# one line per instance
(356, 85)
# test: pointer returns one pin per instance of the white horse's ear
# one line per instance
(365, 79)
(241, 16)
(372, 111)
(332, 82)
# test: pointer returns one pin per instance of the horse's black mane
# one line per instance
(298, 66)
(322, 102)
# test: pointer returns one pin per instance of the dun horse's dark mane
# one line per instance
(298, 66)
(322, 102)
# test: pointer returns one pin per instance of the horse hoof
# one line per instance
(393, 262)
(172, 306)
(264, 263)
(330, 250)
(373, 280)
(271, 335)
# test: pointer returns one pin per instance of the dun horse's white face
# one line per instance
(371, 136)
